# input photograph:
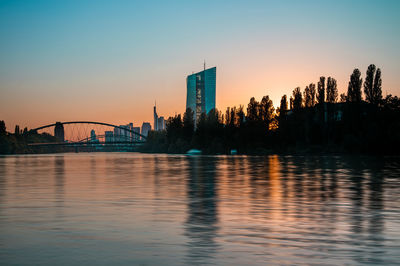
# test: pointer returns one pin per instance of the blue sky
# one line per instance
(109, 60)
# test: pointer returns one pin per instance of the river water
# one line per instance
(145, 209)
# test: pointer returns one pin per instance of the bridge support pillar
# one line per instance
(59, 131)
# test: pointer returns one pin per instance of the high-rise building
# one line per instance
(155, 124)
(146, 127)
(120, 134)
(161, 123)
(200, 95)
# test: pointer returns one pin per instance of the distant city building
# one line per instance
(201, 91)
(135, 136)
(146, 127)
(109, 136)
(92, 135)
(155, 123)
(120, 134)
(159, 122)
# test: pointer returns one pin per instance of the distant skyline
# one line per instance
(109, 60)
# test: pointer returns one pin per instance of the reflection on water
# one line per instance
(123, 208)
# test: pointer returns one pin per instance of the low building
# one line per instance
(135, 136)
(109, 136)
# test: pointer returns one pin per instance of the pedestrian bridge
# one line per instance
(84, 133)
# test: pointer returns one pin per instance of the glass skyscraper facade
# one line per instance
(200, 95)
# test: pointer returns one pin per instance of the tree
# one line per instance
(17, 131)
(331, 90)
(2, 127)
(174, 128)
(354, 89)
(291, 102)
(307, 97)
(253, 110)
(343, 98)
(373, 85)
(312, 93)
(297, 99)
(266, 110)
(188, 124)
(240, 116)
(321, 90)
(284, 105)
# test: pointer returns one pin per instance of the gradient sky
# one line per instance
(110, 60)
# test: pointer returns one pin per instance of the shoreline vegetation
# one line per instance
(315, 120)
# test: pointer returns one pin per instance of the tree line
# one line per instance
(315, 120)
(11, 143)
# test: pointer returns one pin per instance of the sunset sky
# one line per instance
(109, 61)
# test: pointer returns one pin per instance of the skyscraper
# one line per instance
(146, 127)
(159, 122)
(155, 123)
(200, 95)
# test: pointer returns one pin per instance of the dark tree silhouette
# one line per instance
(312, 93)
(188, 124)
(331, 90)
(2, 127)
(354, 89)
(297, 99)
(283, 108)
(343, 98)
(307, 97)
(321, 90)
(240, 116)
(373, 85)
(266, 110)
(253, 110)
(291, 102)
(17, 131)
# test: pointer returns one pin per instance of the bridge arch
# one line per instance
(89, 122)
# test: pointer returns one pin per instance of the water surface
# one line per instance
(142, 209)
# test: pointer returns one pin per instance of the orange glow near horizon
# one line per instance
(122, 106)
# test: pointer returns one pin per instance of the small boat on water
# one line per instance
(193, 152)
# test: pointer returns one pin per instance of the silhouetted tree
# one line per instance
(266, 110)
(321, 90)
(2, 127)
(307, 97)
(283, 108)
(312, 93)
(331, 90)
(291, 102)
(252, 110)
(343, 98)
(373, 85)
(16, 132)
(174, 128)
(354, 89)
(240, 116)
(188, 124)
(297, 99)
